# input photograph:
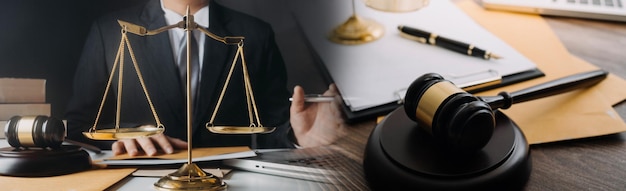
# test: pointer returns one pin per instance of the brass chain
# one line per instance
(143, 84)
(119, 61)
(106, 90)
(249, 93)
(247, 86)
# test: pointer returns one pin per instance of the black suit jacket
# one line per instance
(160, 73)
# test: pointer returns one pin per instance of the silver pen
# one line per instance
(316, 98)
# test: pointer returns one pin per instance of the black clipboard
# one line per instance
(373, 112)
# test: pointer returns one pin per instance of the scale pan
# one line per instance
(240, 129)
(122, 133)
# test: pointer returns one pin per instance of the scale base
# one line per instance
(398, 152)
(40, 162)
(190, 177)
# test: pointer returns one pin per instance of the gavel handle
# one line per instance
(504, 100)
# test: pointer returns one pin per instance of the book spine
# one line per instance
(9, 110)
(22, 90)
(2, 124)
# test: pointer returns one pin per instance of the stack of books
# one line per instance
(22, 96)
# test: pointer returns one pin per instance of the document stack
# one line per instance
(22, 96)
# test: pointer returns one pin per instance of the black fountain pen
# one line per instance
(434, 39)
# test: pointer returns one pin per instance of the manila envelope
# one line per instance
(577, 114)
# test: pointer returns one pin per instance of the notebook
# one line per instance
(318, 164)
(611, 10)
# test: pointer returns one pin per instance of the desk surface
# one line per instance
(594, 163)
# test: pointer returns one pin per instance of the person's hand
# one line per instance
(316, 124)
(149, 145)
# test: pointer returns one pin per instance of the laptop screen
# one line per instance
(610, 10)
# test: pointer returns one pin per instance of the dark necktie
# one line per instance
(194, 64)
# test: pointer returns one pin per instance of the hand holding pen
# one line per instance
(316, 124)
(434, 39)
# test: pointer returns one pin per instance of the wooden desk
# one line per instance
(594, 163)
(597, 163)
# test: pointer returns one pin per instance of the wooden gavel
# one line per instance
(464, 122)
(35, 131)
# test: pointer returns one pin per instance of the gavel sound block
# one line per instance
(446, 139)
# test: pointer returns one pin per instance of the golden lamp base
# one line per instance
(357, 30)
(190, 177)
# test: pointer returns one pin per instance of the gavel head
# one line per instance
(455, 118)
(34, 131)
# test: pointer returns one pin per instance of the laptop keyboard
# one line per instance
(323, 161)
(347, 174)
(606, 3)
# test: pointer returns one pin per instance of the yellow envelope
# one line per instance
(577, 114)
(96, 179)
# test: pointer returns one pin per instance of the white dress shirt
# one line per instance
(176, 34)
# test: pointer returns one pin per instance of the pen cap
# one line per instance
(34, 131)
(458, 120)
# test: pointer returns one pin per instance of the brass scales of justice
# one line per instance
(189, 176)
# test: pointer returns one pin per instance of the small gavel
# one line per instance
(35, 131)
(464, 122)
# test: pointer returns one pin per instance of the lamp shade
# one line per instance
(397, 5)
